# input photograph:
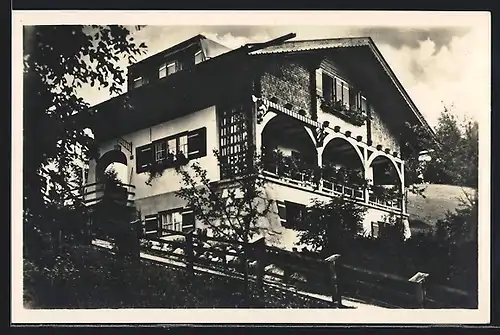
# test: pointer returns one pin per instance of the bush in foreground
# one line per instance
(83, 277)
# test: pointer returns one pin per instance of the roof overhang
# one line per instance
(169, 98)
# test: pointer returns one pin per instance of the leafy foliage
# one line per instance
(58, 61)
(82, 277)
(453, 158)
(233, 210)
(353, 115)
(331, 226)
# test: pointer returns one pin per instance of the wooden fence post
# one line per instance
(188, 251)
(419, 279)
(331, 262)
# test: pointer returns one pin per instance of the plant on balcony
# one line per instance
(349, 114)
(289, 166)
(343, 175)
(170, 161)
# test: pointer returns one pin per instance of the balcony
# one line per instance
(330, 181)
(118, 193)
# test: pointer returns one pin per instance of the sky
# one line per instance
(442, 65)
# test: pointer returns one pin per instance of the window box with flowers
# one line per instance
(352, 115)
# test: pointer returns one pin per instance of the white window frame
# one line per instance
(183, 147)
(167, 220)
(174, 64)
(160, 148)
(162, 70)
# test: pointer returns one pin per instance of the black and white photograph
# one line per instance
(251, 167)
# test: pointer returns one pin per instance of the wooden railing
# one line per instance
(269, 264)
(96, 192)
(306, 180)
(227, 256)
(388, 203)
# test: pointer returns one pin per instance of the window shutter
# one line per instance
(151, 224)
(197, 143)
(282, 212)
(143, 158)
(188, 220)
(319, 82)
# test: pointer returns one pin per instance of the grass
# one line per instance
(84, 277)
(439, 199)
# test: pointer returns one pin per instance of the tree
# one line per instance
(58, 61)
(329, 227)
(234, 210)
(453, 155)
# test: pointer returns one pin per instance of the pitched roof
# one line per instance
(334, 43)
(306, 45)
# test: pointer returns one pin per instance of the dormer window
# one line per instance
(199, 57)
(137, 82)
(167, 69)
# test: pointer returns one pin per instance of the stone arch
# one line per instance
(268, 117)
(110, 157)
(375, 155)
(330, 137)
(290, 136)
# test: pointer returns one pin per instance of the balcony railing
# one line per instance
(119, 193)
(391, 203)
(306, 179)
(334, 188)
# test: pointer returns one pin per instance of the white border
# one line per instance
(186, 316)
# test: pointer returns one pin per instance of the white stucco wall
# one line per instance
(170, 180)
(287, 238)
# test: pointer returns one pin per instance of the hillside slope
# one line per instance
(424, 212)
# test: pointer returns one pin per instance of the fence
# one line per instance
(323, 276)
(262, 260)
(398, 292)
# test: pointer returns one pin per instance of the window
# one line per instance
(162, 72)
(294, 214)
(335, 89)
(183, 145)
(171, 68)
(137, 82)
(160, 151)
(170, 221)
(190, 145)
(167, 69)
(199, 57)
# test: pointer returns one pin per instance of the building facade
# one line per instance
(330, 105)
